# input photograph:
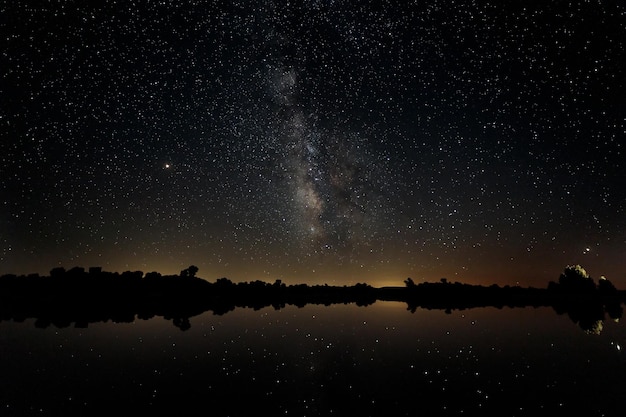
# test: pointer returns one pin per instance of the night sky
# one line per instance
(315, 141)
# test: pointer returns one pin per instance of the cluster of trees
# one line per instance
(585, 301)
(85, 296)
(82, 296)
(576, 295)
(575, 280)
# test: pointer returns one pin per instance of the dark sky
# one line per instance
(315, 141)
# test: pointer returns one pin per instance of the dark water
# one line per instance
(337, 360)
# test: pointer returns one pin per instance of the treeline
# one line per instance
(82, 296)
(575, 294)
(88, 296)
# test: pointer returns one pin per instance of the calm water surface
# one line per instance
(316, 360)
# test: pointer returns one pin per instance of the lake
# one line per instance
(318, 360)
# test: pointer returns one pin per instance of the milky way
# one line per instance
(329, 174)
(315, 141)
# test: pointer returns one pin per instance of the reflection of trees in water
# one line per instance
(590, 314)
(79, 297)
(182, 323)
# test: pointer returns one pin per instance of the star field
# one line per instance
(315, 141)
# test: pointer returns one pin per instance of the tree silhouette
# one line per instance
(191, 271)
(606, 287)
(575, 279)
(57, 272)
